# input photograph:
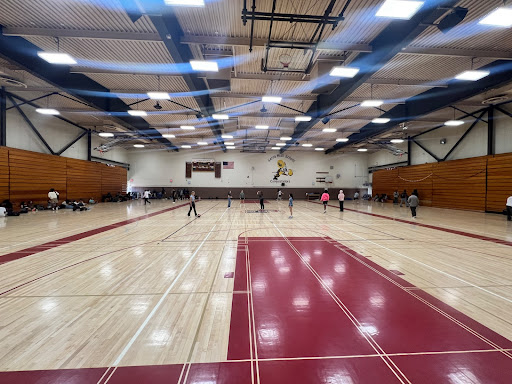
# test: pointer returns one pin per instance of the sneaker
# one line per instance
(325, 212)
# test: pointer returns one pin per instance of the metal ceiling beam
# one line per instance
(259, 96)
(386, 45)
(81, 34)
(170, 31)
(433, 100)
(490, 54)
(21, 52)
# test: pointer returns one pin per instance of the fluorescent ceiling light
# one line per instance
(362, 150)
(285, 138)
(134, 112)
(381, 120)
(329, 130)
(274, 148)
(280, 144)
(138, 145)
(204, 66)
(261, 127)
(472, 75)
(218, 116)
(202, 143)
(47, 111)
(159, 95)
(229, 144)
(188, 127)
(319, 149)
(168, 136)
(303, 118)
(307, 145)
(227, 136)
(56, 58)
(500, 17)
(372, 103)
(106, 134)
(186, 3)
(186, 146)
(399, 9)
(231, 147)
(397, 141)
(454, 123)
(342, 140)
(271, 99)
(344, 72)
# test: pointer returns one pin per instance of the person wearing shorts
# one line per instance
(325, 199)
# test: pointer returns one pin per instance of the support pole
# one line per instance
(490, 131)
(89, 145)
(3, 117)
(409, 146)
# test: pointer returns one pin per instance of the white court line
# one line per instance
(426, 265)
(166, 293)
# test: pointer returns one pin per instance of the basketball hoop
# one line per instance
(285, 60)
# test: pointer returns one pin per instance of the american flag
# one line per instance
(228, 164)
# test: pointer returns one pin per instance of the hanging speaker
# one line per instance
(451, 20)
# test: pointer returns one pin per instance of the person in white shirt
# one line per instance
(193, 204)
(341, 198)
(3, 212)
(279, 195)
(147, 194)
(509, 208)
(53, 195)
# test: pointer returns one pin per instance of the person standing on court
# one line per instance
(356, 196)
(146, 197)
(341, 198)
(403, 198)
(413, 203)
(262, 200)
(53, 195)
(229, 199)
(395, 197)
(193, 204)
(279, 195)
(290, 205)
(325, 199)
(242, 195)
(509, 208)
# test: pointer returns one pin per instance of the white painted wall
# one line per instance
(57, 134)
(385, 157)
(157, 168)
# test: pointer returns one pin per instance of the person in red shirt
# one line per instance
(325, 199)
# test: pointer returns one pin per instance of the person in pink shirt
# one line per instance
(325, 199)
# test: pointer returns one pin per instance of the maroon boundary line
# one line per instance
(462, 233)
(66, 240)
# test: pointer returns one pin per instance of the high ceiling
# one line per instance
(130, 58)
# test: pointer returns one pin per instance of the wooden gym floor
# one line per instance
(127, 293)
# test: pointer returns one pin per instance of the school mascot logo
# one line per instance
(282, 170)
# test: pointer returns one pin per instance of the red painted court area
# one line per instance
(311, 310)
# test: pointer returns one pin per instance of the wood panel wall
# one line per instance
(26, 176)
(480, 183)
(499, 182)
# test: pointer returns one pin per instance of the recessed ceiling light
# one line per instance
(188, 127)
(329, 130)
(307, 145)
(381, 120)
(271, 99)
(138, 145)
(134, 112)
(280, 144)
(362, 150)
(285, 138)
(472, 75)
(219, 116)
(187, 3)
(261, 127)
(344, 72)
(168, 136)
(229, 144)
(159, 95)
(372, 103)
(47, 111)
(454, 123)
(303, 118)
(399, 9)
(342, 140)
(319, 149)
(397, 141)
(204, 66)
(202, 143)
(227, 136)
(186, 146)
(500, 17)
(274, 148)
(56, 58)
(106, 134)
